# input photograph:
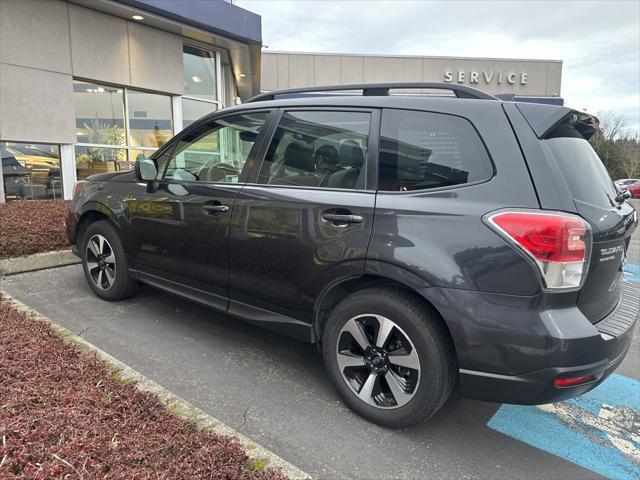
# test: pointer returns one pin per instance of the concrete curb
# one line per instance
(260, 456)
(39, 261)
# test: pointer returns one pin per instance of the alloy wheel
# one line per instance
(378, 361)
(101, 262)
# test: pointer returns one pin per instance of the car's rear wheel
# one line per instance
(389, 356)
(105, 263)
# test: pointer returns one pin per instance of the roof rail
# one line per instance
(378, 90)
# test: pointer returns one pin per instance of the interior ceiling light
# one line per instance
(138, 17)
(196, 79)
(242, 75)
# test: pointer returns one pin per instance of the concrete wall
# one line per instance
(530, 77)
(45, 43)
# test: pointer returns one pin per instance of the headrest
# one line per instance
(329, 153)
(299, 156)
(351, 154)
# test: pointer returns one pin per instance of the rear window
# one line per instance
(586, 176)
(423, 150)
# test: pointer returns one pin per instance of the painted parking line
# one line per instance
(599, 431)
(632, 272)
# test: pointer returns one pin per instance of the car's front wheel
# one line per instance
(389, 356)
(105, 263)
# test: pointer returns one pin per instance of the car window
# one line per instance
(592, 184)
(422, 150)
(320, 149)
(215, 152)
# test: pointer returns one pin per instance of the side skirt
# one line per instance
(257, 316)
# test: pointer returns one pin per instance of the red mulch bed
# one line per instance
(32, 226)
(63, 415)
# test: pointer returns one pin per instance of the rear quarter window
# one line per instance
(424, 150)
(582, 169)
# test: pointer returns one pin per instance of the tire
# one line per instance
(416, 330)
(106, 271)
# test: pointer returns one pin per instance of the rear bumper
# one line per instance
(534, 388)
(511, 349)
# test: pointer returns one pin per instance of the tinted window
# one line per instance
(420, 150)
(30, 171)
(216, 152)
(582, 169)
(318, 149)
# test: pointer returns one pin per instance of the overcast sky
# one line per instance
(598, 41)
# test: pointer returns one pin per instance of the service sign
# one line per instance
(486, 77)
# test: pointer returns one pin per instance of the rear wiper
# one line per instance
(622, 196)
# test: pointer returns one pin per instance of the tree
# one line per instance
(630, 159)
(618, 149)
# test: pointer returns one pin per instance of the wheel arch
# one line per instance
(340, 289)
(93, 212)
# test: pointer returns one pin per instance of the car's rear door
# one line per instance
(569, 176)
(298, 225)
(612, 220)
(179, 225)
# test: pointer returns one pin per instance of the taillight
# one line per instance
(558, 243)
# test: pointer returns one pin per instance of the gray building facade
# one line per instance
(87, 86)
(535, 78)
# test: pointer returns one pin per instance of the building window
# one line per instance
(201, 86)
(30, 171)
(115, 126)
(192, 110)
(199, 73)
(150, 122)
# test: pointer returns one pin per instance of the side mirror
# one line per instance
(146, 170)
(246, 136)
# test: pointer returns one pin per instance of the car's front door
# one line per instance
(179, 226)
(305, 218)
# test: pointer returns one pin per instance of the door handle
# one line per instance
(339, 219)
(215, 209)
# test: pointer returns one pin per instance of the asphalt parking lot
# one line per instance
(274, 390)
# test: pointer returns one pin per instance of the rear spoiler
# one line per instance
(548, 121)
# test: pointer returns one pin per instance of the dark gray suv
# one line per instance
(422, 241)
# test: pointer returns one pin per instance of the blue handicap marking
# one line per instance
(632, 272)
(599, 431)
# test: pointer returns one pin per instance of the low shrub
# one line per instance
(64, 415)
(33, 226)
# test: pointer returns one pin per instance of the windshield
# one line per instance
(586, 176)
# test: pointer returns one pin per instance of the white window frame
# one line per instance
(2, 184)
(68, 170)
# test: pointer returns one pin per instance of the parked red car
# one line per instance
(634, 189)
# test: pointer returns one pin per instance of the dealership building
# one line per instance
(86, 86)
(537, 79)
(89, 86)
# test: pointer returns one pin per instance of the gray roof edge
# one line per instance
(440, 57)
(216, 16)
